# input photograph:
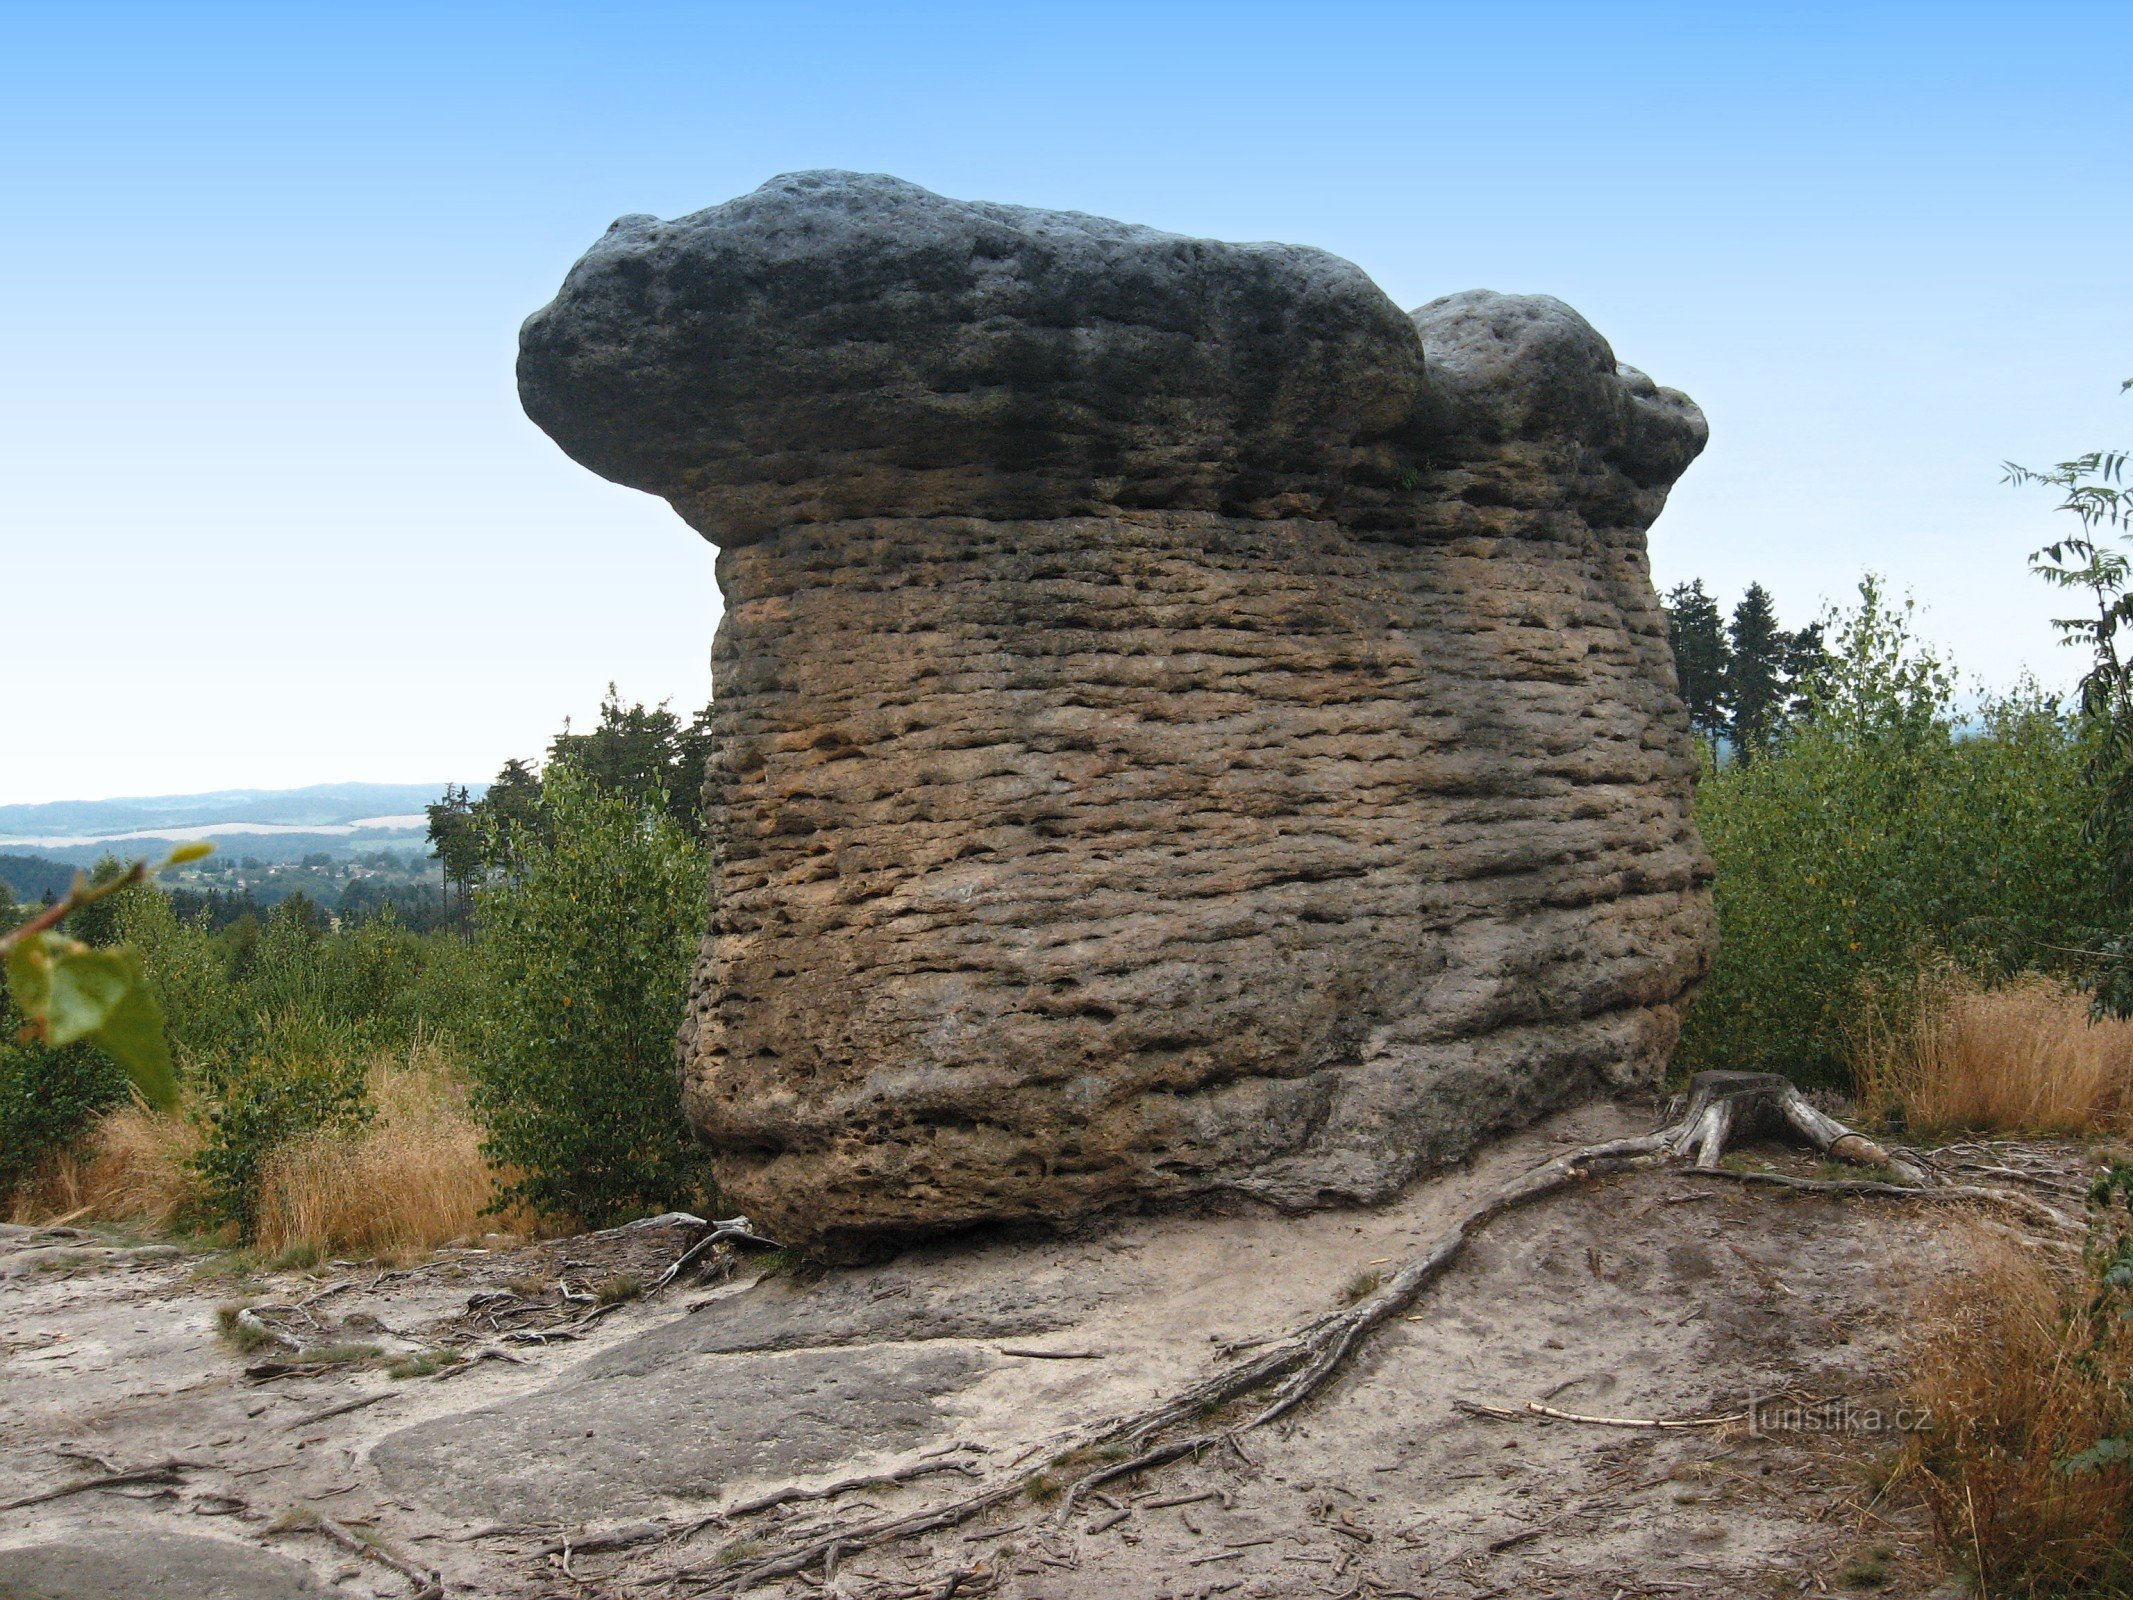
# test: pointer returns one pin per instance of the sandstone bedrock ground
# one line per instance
(1185, 727)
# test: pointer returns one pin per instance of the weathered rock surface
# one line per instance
(1184, 726)
(150, 1566)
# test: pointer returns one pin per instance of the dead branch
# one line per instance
(1533, 1408)
(344, 1407)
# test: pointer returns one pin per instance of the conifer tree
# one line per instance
(1698, 635)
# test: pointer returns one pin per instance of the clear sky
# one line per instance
(270, 515)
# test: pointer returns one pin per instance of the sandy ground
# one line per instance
(1648, 1296)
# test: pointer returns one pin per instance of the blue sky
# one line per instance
(269, 513)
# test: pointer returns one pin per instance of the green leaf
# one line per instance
(73, 993)
(133, 1037)
(198, 850)
(29, 976)
(84, 988)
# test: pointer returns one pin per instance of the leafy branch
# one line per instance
(70, 991)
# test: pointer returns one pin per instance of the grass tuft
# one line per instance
(242, 1337)
(423, 1364)
(1943, 1054)
(408, 1180)
(1867, 1570)
(1362, 1286)
(2014, 1381)
(622, 1286)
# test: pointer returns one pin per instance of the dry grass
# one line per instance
(410, 1179)
(2014, 1383)
(2023, 1058)
(136, 1169)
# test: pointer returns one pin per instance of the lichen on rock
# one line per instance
(1183, 726)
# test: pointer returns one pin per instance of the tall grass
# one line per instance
(1951, 1055)
(136, 1167)
(409, 1178)
(2016, 1380)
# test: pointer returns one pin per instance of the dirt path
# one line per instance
(1647, 1296)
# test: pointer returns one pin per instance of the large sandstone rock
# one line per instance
(1184, 726)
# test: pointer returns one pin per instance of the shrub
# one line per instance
(49, 1102)
(262, 1105)
(203, 1016)
(1880, 835)
(48, 1098)
(585, 949)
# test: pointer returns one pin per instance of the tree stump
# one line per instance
(1724, 1107)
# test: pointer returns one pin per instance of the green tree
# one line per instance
(1755, 674)
(585, 950)
(455, 841)
(644, 751)
(512, 806)
(632, 749)
(2092, 561)
(1698, 635)
(1876, 834)
(693, 748)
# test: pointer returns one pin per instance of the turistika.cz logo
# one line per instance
(1785, 1414)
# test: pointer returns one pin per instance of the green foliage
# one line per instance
(63, 990)
(262, 1104)
(1876, 834)
(585, 953)
(648, 754)
(74, 993)
(1744, 681)
(1698, 635)
(204, 1017)
(48, 1100)
(2093, 564)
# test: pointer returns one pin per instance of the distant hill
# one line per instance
(31, 878)
(319, 805)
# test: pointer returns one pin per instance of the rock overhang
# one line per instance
(853, 345)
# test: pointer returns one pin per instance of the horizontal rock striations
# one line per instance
(1184, 727)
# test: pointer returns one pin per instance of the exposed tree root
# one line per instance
(738, 1229)
(1533, 1408)
(1721, 1107)
(161, 1472)
(1867, 1187)
(428, 1586)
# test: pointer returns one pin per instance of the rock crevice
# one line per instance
(1183, 725)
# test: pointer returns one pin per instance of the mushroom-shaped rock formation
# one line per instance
(1183, 727)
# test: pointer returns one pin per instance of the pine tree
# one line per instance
(455, 840)
(1755, 674)
(1698, 635)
